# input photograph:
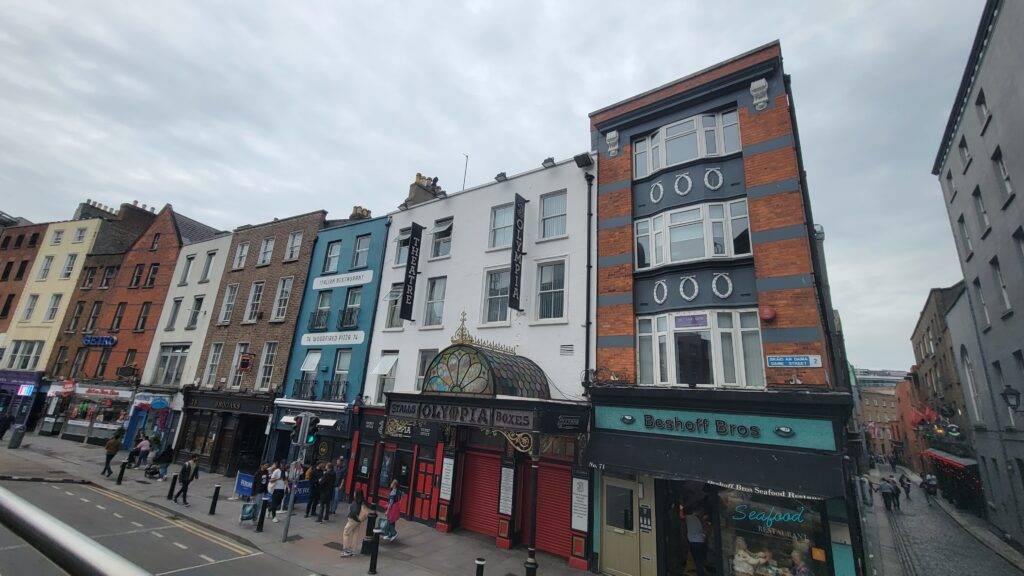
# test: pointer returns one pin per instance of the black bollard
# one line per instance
(263, 514)
(174, 482)
(213, 503)
(371, 523)
(531, 562)
(374, 551)
(480, 566)
(120, 473)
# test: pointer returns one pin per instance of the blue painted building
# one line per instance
(327, 364)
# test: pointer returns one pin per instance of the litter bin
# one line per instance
(17, 433)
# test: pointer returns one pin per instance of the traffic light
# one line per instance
(311, 431)
(297, 431)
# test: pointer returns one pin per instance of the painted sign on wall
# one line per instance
(412, 265)
(516, 266)
(507, 484)
(580, 503)
(342, 280)
(447, 475)
(349, 338)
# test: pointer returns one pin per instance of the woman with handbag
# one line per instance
(357, 513)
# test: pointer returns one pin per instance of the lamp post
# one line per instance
(1011, 396)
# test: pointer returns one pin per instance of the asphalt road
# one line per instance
(151, 538)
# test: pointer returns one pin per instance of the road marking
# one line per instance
(86, 500)
(207, 558)
(54, 486)
(157, 534)
(180, 545)
(187, 568)
(136, 524)
(116, 515)
(101, 507)
(69, 493)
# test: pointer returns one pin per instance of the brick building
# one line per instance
(715, 383)
(18, 247)
(245, 355)
(880, 419)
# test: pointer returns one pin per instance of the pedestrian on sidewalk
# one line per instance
(314, 475)
(328, 481)
(886, 490)
(277, 487)
(261, 481)
(163, 459)
(5, 424)
(111, 448)
(895, 491)
(340, 472)
(357, 512)
(189, 472)
(930, 485)
(143, 448)
(906, 484)
(394, 512)
(696, 540)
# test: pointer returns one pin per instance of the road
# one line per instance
(155, 540)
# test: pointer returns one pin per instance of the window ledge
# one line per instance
(354, 268)
(988, 230)
(968, 165)
(436, 258)
(263, 265)
(498, 249)
(402, 329)
(970, 254)
(551, 239)
(86, 287)
(203, 281)
(237, 269)
(402, 265)
(1007, 314)
(276, 320)
(287, 260)
(138, 331)
(1009, 199)
(953, 196)
(551, 321)
(984, 125)
(180, 284)
(246, 322)
(438, 327)
(494, 325)
(986, 329)
(169, 329)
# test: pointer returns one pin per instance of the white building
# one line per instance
(464, 267)
(173, 359)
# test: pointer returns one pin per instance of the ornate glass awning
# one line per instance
(470, 369)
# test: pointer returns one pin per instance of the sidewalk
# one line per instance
(419, 551)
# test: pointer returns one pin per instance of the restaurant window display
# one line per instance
(107, 411)
(769, 536)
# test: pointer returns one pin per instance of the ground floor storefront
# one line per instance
(19, 393)
(225, 431)
(744, 486)
(156, 415)
(959, 479)
(334, 433)
(93, 413)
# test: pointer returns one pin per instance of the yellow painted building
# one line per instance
(47, 293)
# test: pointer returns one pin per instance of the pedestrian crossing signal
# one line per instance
(311, 431)
(297, 431)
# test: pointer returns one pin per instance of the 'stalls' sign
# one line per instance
(516, 267)
(412, 264)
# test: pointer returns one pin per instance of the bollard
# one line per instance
(371, 524)
(531, 562)
(263, 514)
(213, 503)
(374, 551)
(120, 473)
(480, 566)
(174, 482)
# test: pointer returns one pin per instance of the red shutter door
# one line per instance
(480, 484)
(554, 498)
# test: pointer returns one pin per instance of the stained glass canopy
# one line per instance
(465, 369)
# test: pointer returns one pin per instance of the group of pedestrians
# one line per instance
(326, 486)
(358, 511)
(890, 489)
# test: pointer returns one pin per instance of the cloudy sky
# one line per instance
(239, 112)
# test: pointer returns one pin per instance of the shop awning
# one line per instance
(949, 459)
(324, 422)
(385, 364)
(442, 226)
(798, 472)
(311, 361)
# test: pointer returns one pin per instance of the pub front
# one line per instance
(225, 431)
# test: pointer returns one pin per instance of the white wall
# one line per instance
(465, 270)
(179, 335)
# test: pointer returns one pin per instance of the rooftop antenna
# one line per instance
(465, 169)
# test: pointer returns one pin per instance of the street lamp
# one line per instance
(1011, 396)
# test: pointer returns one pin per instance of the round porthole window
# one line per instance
(688, 288)
(721, 285)
(713, 178)
(660, 291)
(687, 184)
(657, 192)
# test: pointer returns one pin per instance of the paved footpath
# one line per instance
(937, 540)
(419, 551)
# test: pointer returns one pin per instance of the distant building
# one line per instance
(878, 378)
(880, 421)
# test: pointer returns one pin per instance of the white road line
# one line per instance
(54, 486)
(136, 524)
(101, 507)
(187, 568)
(116, 515)
(180, 545)
(69, 493)
(207, 558)
(86, 500)
(157, 534)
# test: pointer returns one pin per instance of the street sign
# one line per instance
(794, 361)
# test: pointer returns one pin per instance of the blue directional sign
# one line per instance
(794, 361)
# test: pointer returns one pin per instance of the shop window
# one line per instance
(618, 505)
(759, 531)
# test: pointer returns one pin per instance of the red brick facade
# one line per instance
(18, 248)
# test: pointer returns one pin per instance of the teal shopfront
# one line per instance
(741, 483)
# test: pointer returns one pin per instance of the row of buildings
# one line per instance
(957, 412)
(638, 330)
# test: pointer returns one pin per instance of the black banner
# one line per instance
(412, 264)
(516, 267)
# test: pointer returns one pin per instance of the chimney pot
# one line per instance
(135, 202)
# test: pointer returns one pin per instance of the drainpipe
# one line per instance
(584, 161)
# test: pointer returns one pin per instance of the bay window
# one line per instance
(719, 230)
(701, 136)
(706, 348)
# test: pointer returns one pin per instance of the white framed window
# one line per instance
(361, 253)
(311, 363)
(552, 215)
(69, 266)
(393, 298)
(551, 290)
(972, 389)
(154, 269)
(79, 236)
(982, 107)
(156, 241)
(500, 230)
(265, 374)
(353, 303)
(965, 236)
(965, 153)
(705, 348)
(108, 276)
(115, 322)
(342, 364)
(44, 268)
(981, 301)
(30, 307)
(141, 320)
(266, 252)
(172, 317)
(433, 310)
(700, 136)
(186, 269)
(76, 316)
(1002, 172)
(333, 257)
(170, 364)
(136, 279)
(25, 354)
(422, 363)
(235, 379)
(193, 314)
(496, 291)
(997, 277)
(228, 304)
(441, 238)
(284, 294)
(252, 306)
(385, 372)
(241, 253)
(291, 251)
(980, 212)
(698, 232)
(402, 246)
(212, 362)
(57, 238)
(207, 266)
(51, 310)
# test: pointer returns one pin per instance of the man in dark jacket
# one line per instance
(326, 488)
(315, 475)
(189, 472)
(163, 459)
(5, 425)
(111, 448)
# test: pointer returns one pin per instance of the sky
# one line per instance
(240, 112)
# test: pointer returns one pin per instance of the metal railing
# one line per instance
(304, 389)
(72, 551)
(318, 320)
(334, 390)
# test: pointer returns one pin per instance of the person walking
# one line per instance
(189, 472)
(328, 484)
(357, 512)
(905, 483)
(111, 448)
(163, 459)
(886, 490)
(895, 491)
(5, 424)
(930, 485)
(278, 483)
(696, 539)
(393, 513)
(143, 449)
(313, 477)
(340, 471)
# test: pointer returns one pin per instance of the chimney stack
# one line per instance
(359, 213)
(422, 190)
